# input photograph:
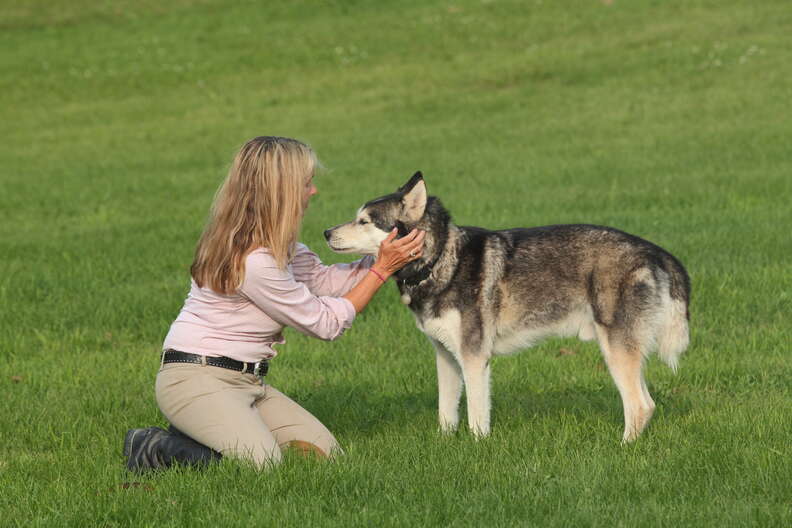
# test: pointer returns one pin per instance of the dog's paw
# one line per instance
(447, 429)
(480, 433)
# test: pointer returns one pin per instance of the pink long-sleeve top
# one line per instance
(245, 325)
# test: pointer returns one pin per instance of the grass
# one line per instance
(666, 119)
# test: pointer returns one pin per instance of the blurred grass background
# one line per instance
(669, 120)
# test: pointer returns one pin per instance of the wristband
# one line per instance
(377, 273)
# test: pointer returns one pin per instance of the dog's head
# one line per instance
(401, 209)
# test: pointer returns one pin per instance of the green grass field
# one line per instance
(670, 120)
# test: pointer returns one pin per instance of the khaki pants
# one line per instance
(236, 415)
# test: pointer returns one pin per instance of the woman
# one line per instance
(250, 278)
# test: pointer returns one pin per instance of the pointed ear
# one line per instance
(404, 189)
(414, 198)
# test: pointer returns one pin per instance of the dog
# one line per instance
(476, 293)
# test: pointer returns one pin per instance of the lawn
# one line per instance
(669, 120)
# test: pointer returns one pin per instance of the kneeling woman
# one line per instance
(250, 279)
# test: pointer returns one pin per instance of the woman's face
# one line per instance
(310, 190)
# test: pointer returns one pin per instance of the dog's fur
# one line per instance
(476, 293)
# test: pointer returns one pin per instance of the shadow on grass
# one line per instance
(365, 409)
(583, 402)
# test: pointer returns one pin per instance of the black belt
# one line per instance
(258, 369)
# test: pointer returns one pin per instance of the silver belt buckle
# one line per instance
(257, 369)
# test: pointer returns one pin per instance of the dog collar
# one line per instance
(415, 278)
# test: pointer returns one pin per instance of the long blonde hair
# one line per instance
(260, 204)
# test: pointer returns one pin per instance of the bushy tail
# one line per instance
(674, 335)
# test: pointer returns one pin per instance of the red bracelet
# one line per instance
(377, 273)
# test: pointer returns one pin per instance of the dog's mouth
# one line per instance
(340, 249)
(332, 242)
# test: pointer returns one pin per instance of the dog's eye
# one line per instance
(362, 222)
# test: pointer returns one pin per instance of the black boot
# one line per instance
(155, 448)
(199, 454)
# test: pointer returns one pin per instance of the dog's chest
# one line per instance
(445, 328)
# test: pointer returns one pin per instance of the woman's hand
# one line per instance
(395, 254)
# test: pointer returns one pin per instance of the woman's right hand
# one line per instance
(395, 254)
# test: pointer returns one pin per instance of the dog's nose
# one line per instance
(327, 234)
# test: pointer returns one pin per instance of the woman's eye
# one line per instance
(362, 222)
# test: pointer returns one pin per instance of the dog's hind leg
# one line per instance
(476, 372)
(449, 386)
(625, 363)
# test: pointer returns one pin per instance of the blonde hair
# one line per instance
(260, 204)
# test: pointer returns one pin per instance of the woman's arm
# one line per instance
(290, 303)
(334, 280)
(393, 256)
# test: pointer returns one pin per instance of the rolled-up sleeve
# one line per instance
(334, 280)
(290, 302)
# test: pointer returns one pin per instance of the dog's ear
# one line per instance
(414, 197)
(407, 187)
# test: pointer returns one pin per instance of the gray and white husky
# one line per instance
(477, 293)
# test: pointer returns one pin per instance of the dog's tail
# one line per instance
(674, 334)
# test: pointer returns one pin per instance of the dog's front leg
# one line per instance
(476, 372)
(449, 385)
